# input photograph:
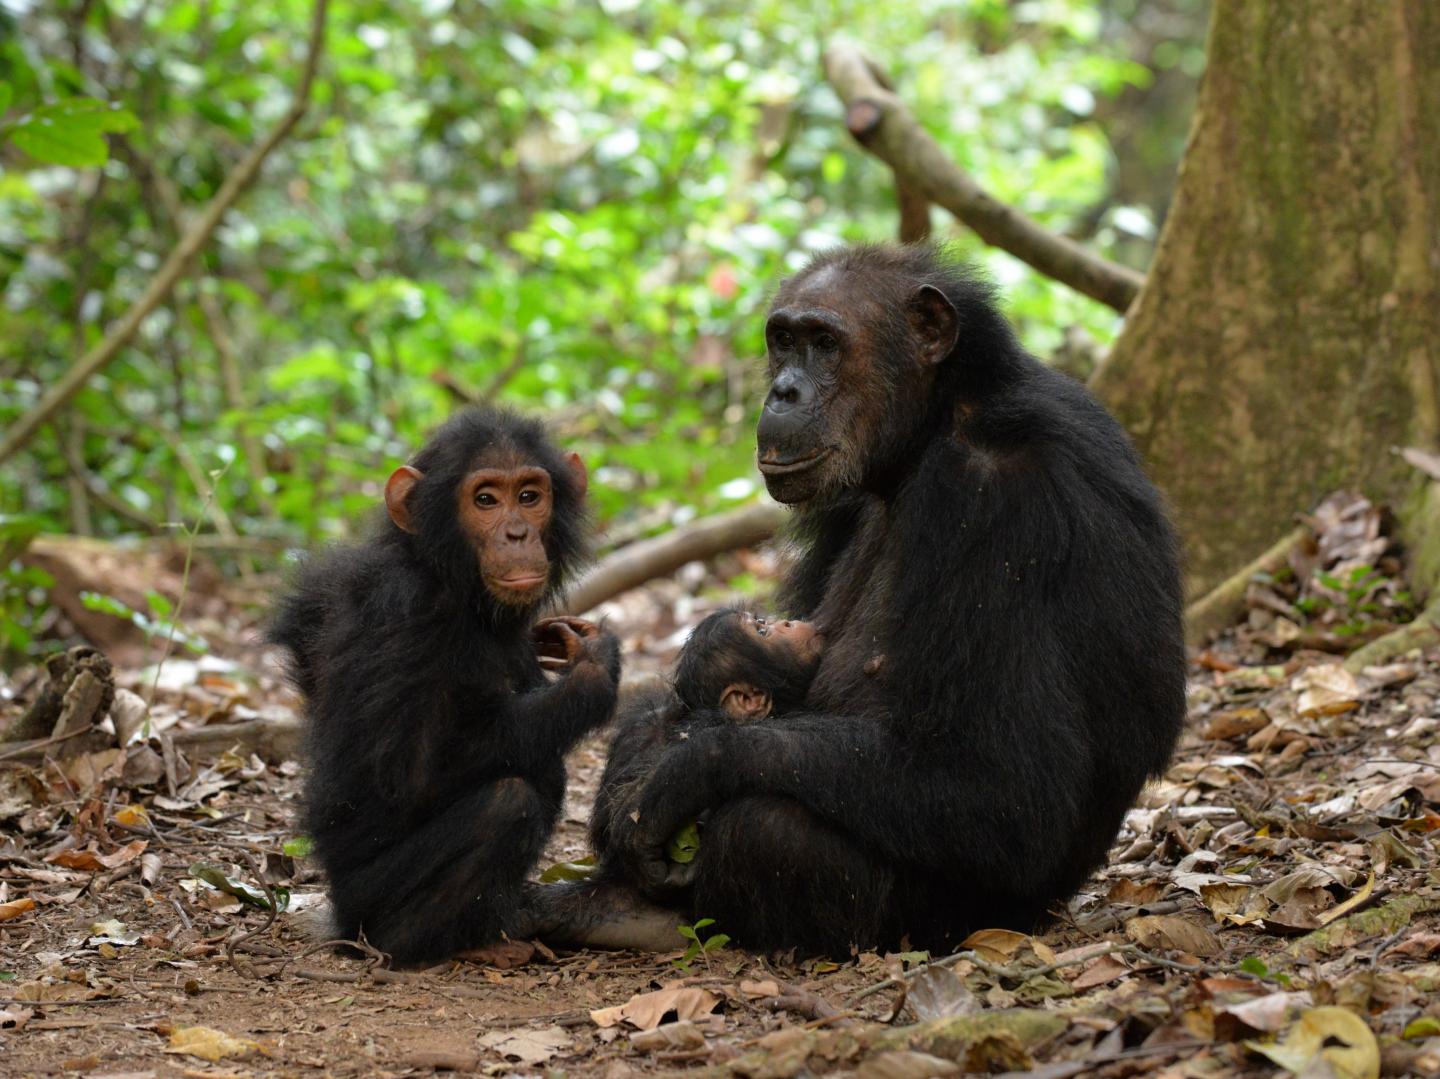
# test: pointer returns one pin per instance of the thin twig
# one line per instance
(199, 233)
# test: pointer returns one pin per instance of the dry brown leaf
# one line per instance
(1335, 1036)
(528, 1046)
(88, 860)
(1267, 1013)
(209, 1044)
(14, 1017)
(1136, 893)
(646, 1010)
(669, 1038)
(1172, 933)
(16, 907)
(503, 954)
(994, 945)
(1358, 899)
(1099, 971)
(128, 853)
(1326, 690)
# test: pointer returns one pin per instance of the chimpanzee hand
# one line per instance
(559, 642)
(687, 781)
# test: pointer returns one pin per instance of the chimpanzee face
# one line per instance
(851, 360)
(504, 513)
(503, 503)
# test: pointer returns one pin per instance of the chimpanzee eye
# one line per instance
(784, 340)
(827, 343)
(486, 499)
(529, 498)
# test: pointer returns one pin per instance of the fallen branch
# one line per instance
(642, 561)
(1223, 605)
(196, 236)
(883, 125)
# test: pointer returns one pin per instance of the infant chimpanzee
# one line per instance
(735, 667)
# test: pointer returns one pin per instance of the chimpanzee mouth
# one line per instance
(796, 464)
(521, 582)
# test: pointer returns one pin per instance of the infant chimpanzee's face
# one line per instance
(801, 637)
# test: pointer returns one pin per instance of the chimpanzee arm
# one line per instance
(848, 769)
(542, 725)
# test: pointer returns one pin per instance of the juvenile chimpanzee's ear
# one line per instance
(397, 496)
(745, 703)
(577, 471)
(935, 322)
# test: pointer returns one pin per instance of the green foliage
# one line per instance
(70, 132)
(22, 588)
(575, 209)
(298, 847)
(713, 942)
(154, 621)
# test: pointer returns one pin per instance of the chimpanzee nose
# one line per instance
(516, 530)
(789, 390)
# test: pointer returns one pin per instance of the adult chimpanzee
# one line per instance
(736, 667)
(436, 744)
(1000, 596)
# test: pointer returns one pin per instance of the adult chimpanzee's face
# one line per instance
(819, 367)
(504, 513)
(851, 362)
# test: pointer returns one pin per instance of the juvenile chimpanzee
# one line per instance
(435, 743)
(980, 522)
(736, 667)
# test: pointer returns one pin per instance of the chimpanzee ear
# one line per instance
(397, 496)
(577, 472)
(744, 702)
(935, 322)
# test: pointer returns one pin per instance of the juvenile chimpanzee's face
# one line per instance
(851, 360)
(504, 513)
(496, 511)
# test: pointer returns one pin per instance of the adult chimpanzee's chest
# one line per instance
(853, 616)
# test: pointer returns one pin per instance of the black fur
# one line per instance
(717, 653)
(435, 743)
(988, 529)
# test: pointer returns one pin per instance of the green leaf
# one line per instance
(94, 601)
(299, 847)
(685, 844)
(7, 95)
(214, 876)
(1254, 965)
(160, 606)
(580, 869)
(1427, 1026)
(71, 132)
(715, 943)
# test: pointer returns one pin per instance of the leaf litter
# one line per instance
(1272, 902)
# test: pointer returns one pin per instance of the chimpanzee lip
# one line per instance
(797, 464)
(520, 581)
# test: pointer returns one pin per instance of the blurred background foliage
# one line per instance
(578, 208)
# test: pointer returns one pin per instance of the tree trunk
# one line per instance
(1287, 337)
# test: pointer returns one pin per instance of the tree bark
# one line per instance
(1287, 337)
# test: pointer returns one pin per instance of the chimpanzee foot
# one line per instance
(604, 915)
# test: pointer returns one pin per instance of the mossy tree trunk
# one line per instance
(1287, 338)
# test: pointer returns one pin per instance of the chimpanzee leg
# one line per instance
(455, 882)
(774, 875)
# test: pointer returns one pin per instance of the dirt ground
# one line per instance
(1272, 903)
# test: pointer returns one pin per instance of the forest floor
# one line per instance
(1272, 903)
